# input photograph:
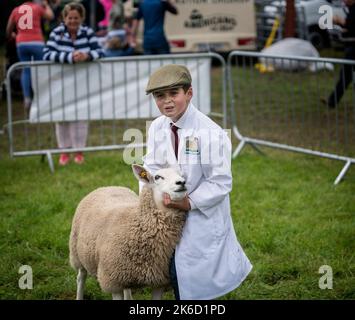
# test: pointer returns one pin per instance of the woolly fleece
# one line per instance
(124, 240)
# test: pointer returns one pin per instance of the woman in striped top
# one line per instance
(72, 42)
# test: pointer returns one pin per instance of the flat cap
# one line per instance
(168, 76)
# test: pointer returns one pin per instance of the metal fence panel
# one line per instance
(285, 108)
(35, 136)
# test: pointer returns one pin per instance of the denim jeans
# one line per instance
(28, 51)
(119, 52)
(173, 277)
(163, 49)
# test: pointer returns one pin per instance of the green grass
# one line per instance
(289, 218)
(288, 215)
(286, 107)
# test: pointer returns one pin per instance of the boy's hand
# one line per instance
(183, 204)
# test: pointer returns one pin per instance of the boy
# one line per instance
(208, 261)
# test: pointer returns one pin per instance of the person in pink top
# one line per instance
(107, 5)
(24, 25)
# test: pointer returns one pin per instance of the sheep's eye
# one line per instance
(157, 177)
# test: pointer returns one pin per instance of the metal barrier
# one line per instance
(36, 135)
(285, 109)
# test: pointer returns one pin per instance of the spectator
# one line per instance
(24, 25)
(346, 73)
(117, 44)
(117, 15)
(72, 42)
(56, 6)
(107, 5)
(92, 18)
(153, 14)
(118, 41)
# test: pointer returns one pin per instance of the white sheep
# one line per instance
(126, 241)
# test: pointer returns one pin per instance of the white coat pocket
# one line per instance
(201, 234)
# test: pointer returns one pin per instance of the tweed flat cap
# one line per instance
(168, 76)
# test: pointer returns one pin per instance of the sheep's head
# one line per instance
(167, 180)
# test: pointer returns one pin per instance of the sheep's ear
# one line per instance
(141, 173)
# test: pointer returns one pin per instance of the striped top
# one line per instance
(60, 47)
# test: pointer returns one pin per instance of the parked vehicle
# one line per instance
(307, 15)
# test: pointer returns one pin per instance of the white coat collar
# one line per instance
(182, 123)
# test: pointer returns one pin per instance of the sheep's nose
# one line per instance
(180, 183)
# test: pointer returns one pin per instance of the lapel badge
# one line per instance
(191, 145)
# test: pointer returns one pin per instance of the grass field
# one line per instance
(286, 107)
(288, 216)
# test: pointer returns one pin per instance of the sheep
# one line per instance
(126, 241)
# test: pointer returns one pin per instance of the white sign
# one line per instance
(107, 90)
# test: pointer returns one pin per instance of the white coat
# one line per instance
(209, 259)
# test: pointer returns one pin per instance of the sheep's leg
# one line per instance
(80, 284)
(157, 293)
(127, 294)
(117, 296)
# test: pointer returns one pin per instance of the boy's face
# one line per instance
(173, 102)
